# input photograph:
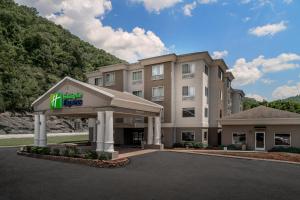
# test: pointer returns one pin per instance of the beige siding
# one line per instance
(270, 130)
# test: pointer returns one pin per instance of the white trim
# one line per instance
(261, 121)
(260, 149)
(73, 80)
(191, 131)
(282, 145)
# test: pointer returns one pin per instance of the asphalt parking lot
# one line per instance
(158, 175)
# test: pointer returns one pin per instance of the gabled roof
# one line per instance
(119, 99)
(262, 115)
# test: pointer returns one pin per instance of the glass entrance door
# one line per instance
(260, 141)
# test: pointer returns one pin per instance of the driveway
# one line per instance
(157, 175)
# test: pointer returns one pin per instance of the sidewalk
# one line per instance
(10, 136)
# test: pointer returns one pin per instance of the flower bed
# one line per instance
(90, 158)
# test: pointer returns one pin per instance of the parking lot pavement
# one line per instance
(157, 175)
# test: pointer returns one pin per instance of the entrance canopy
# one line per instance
(71, 97)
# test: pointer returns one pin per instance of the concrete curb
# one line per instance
(236, 157)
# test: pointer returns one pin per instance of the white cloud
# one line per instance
(288, 1)
(246, 72)
(187, 8)
(207, 1)
(267, 81)
(219, 54)
(82, 19)
(286, 91)
(245, 1)
(246, 19)
(157, 5)
(256, 97)
(249, 72)
(268, 29)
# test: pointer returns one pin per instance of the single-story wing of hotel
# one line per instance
(162, 101)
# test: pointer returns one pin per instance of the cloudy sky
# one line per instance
(259, 39)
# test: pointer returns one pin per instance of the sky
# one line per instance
(258, 39)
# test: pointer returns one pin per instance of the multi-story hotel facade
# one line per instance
(194, 90)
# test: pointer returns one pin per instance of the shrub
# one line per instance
(66, 152)
(198, 145)
(234, 147)
(91, 155)
(189, 144)
(44, 150)
(34, 150)
(285, 149)
(56, 152)
(73, 152)
(105, 156)
(178, 145)
(26, 149)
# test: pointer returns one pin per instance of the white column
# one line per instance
(43, 135)
(150, 131)
(92, 124)
(100, 131)
(157, 131)
(36, 129)
(109, 132)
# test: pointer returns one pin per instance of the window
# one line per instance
(206, 112)
(206, 69)
(228, 83)
(188, 91)
(221, 114)
(157, 72)
(137, 76)
(220, 73)
(99, 81)
(109, 78)
(188, 112)
(138, 93)
(282, 139)
(158, 93)
(187, 136)
(206, 91)
(239, 138)
(188, 69)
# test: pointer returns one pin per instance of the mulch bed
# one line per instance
(291, 157)
(89, 162)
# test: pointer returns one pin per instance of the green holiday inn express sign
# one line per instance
(59, 100)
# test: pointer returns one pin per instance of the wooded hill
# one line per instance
(35, 54)
(291, 104)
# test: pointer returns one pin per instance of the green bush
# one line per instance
(66, 152)
(73, 152)
(198, 145)
(178, 145)
(34, 150)
(189, 144)
(105, 156)
(55, 152)
(234, 147)
(26, 149)
(44, 150)
(91, 155)
(285, 149)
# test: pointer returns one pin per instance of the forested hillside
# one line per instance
(35, 53)
(291, 104)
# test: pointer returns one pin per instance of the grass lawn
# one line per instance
(51, 140)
